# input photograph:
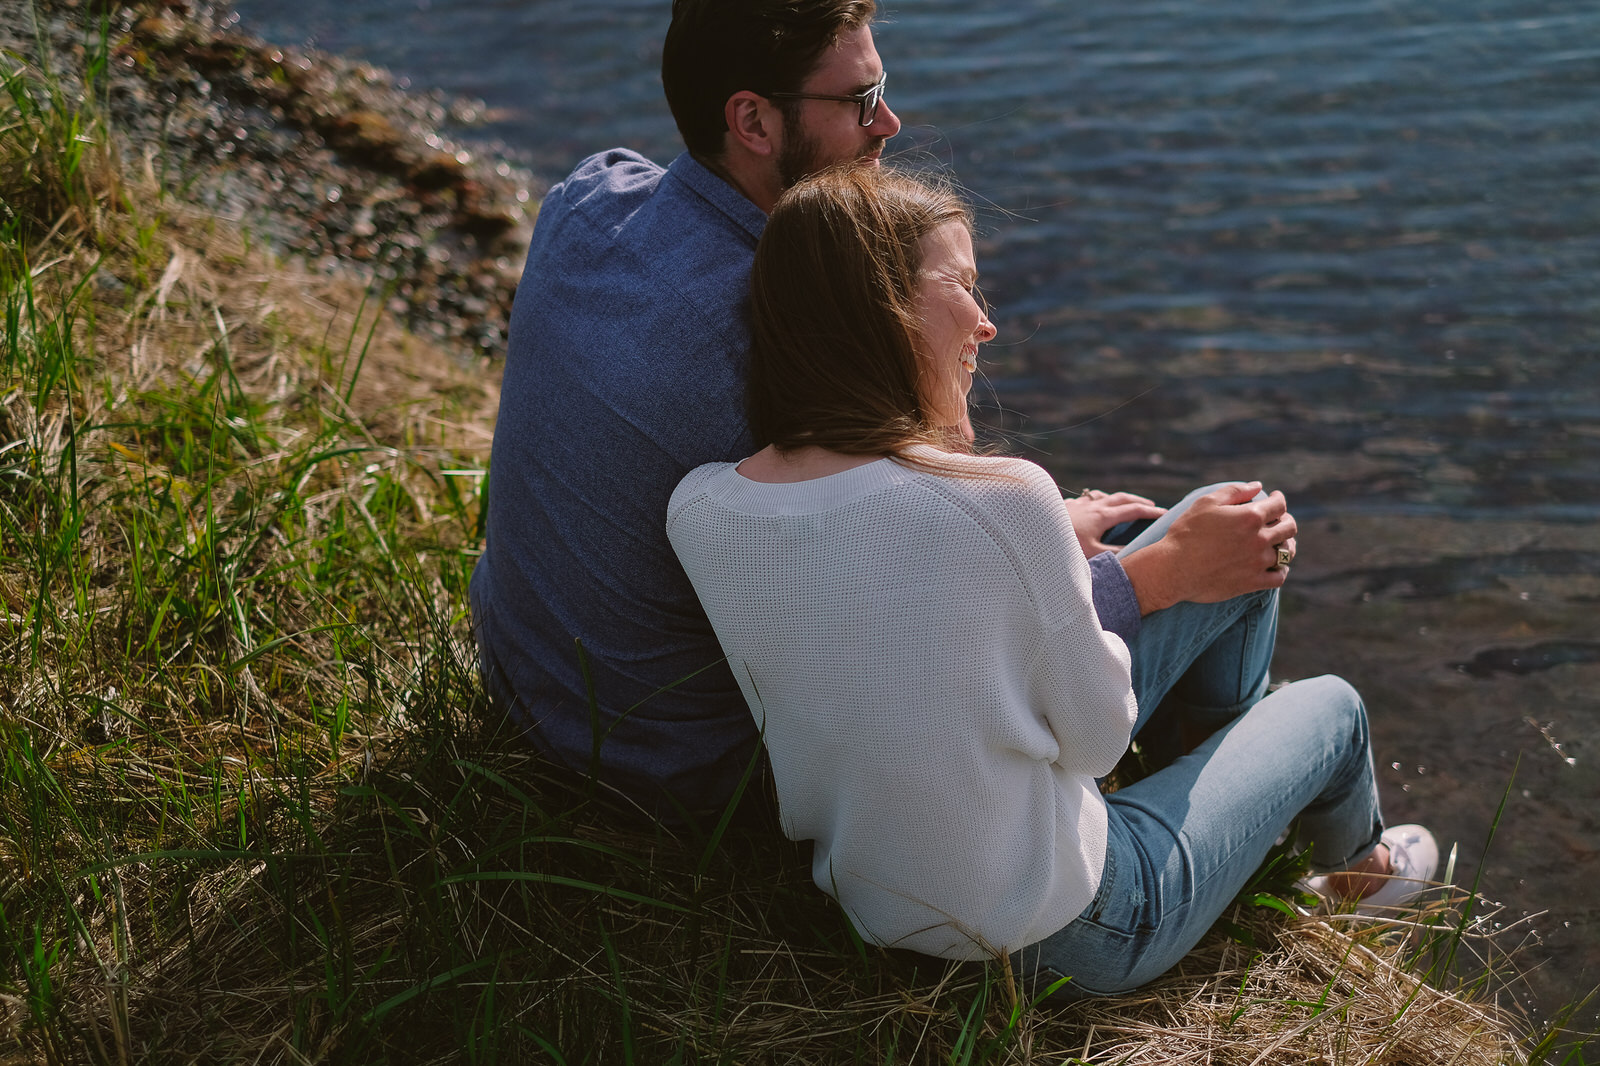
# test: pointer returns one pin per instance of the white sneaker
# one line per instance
(1413, 860)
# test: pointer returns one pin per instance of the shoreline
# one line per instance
(328, 161)
(313, 124)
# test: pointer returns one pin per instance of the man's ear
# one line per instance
(754, 124)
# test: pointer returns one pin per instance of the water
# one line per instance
(1351, 247)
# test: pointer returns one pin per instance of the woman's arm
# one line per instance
(1079, 679)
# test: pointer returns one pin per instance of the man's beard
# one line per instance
(801, 156)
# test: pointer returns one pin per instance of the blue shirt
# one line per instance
(625, 370)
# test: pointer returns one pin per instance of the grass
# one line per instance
(252, 804)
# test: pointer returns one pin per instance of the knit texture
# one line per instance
(936, 693)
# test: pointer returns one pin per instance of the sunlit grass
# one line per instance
(252, 804)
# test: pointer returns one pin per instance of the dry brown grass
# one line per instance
(654, 945)
(251, 807)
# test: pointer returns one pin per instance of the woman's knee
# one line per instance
(1334, 692)
(1334, 701)
(1206, 490)
(1189, 501)
(1158, 529)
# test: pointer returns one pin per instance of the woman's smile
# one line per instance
(969, 358)
(952, 322)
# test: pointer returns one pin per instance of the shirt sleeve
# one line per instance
(1114, 600)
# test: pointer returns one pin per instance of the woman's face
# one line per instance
(952, 324)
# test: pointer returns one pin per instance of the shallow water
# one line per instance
(1352, 249)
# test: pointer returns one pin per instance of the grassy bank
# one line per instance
(253, 807)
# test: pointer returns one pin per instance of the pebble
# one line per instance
(330, 161)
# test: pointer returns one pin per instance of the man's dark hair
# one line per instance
(715, 48)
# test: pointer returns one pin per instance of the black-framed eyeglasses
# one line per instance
(867, 101)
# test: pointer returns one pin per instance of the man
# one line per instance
(625, 371)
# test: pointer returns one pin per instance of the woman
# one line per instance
(914, 629)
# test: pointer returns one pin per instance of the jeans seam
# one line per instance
(1347, 773)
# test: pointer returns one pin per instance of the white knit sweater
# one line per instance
(935, 691)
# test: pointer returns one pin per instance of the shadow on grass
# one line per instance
(252, 804)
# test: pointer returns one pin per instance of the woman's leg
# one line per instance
(1205, 663)
(1208, 661)
(1183, 841)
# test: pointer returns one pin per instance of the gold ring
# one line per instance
(1285, 557)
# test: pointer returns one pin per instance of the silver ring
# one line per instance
(1285, 557)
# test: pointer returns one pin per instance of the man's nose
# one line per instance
(885, 123)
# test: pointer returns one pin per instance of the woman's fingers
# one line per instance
(1282, 555)
(1099, 511)
(1113, 513)
(1126, 497)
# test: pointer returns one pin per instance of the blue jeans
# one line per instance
(1199, 665)
(1182, 842)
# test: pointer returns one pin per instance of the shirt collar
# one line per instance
(719, 194)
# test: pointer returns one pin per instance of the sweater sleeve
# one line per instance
(1081, 679)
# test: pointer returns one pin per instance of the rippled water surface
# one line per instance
(1351, 246)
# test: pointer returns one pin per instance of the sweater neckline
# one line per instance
(816, 494)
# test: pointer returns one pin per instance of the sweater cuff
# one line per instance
(1114, 599)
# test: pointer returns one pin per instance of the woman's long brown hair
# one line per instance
(833, 358)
